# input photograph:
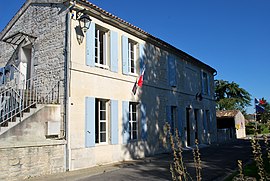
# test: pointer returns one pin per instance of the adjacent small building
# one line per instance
(230, 125)
(100, 114)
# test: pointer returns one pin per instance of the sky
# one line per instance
(232, 36)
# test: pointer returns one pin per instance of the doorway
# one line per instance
(196, 111)
(188, 125)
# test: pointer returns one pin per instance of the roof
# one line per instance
(227, 114)
(148, 35)
(114, 20)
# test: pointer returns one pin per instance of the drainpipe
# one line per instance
(67, 83)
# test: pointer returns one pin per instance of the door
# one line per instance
(196, 124)
(188, 125)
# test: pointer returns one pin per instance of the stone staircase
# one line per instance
(19, 100)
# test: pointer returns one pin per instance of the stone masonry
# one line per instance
(46, 22)
(18, 163)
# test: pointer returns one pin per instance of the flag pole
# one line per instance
(255, 116)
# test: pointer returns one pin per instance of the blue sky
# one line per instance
(232, 36)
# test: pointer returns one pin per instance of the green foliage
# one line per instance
(262, 128)
(230, 96)
(265, 116)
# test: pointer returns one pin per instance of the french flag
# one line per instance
(140, 81)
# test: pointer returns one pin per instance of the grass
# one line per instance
(251, 170)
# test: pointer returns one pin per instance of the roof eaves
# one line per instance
(148, 35)
(21, 11)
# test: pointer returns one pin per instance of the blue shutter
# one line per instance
(125, 109)
(180, 123)
(114, 122)
(172, 71)
(90, 45)
(2, 69)
(89, 122)
(143, 122)
(125, 54)
(114, 51)
(202, 83)
(208, 84)
(142, 57)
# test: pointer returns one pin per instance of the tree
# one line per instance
(229, 96)
(264, 116)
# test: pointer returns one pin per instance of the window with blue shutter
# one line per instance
(90, 45)
(125, 55)
(125, 119)
(114, 122)
(114, 51)
(172, 71)
(143, 122)
(89, 122)
(205, 83)
(208, 85)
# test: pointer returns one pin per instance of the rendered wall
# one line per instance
(156, 94)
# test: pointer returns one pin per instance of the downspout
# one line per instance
(67, 83)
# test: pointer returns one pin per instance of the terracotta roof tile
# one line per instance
(114, 17)
(227, 114)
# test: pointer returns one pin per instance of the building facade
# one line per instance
(103, 117)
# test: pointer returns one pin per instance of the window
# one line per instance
(133, 121)
(101, 47)
(171, 71)
(101, 124)
(205, 86)
(132, 56)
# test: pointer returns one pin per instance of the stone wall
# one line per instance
(18, 163)
(47, 23)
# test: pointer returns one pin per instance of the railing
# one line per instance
(17, 98)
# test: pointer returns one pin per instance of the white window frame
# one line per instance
(133, 44)
(98, 47)
(99, 121)
(131, 121)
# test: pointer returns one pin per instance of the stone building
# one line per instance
(69, 98)
(230, 125)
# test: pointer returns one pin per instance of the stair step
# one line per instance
(5, 124)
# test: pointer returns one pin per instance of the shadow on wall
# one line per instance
(154, 96)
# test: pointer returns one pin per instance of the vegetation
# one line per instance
(258, 169)
(177, 168)
(264, 117)
(229, 96)
(261, 128)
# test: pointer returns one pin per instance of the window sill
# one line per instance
(133, 74)
(102, 66)
(101, 144)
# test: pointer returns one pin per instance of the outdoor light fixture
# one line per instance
(199, 96)
(84, 20)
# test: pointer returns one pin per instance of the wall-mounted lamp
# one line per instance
(199, 96)
(84, 20)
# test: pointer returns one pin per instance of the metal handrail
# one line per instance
(17, 98)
